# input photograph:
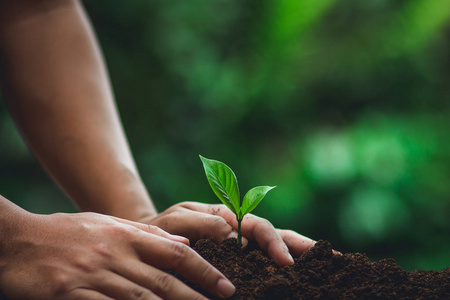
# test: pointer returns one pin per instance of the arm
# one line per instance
(59, 94)
(92, 256)
(57, 89)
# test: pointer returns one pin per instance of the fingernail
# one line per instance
(291, 259)
(232, 234)
(226, 288)
(244, 243)
(336, 252)
(288, 255)
(182, 239)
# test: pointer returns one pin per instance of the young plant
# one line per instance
(224, 184)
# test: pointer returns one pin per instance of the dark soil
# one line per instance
(318, 274)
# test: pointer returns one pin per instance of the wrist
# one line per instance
(121, 194)
(11, 217)
(13, 221)
(130, 200)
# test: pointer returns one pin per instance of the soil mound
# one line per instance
(318, 274)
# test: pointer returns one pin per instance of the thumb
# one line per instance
(233, 234)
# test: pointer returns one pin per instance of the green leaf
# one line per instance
(223, 182)
(252, 199)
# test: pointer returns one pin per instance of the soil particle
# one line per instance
(318, 274)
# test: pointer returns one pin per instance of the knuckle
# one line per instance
(215, 221)
(138, 293)
(61, 283)
(103, 250)
(287, 232)
(214, 209)
(121, 232)
(263, 223)
(171, 209)
(84, 227)
(174, 209)
(185, 204)
(87, 218)
(90, 214)
(206, 273)
(179, 253)
(84, 263)
(152, 228)
(163, 284)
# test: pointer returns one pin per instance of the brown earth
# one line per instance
(318, 274)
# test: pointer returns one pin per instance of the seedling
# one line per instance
(224, 184)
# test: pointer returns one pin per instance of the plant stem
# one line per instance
(239, 237)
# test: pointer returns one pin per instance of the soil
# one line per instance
(318, 274)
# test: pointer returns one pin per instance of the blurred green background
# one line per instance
(344, 105)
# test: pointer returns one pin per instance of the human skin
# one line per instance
(93, 256)
(58, 92)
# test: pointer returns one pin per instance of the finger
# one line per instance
(87, 294)
(268, 239)
(166, 254)
(253, 227)
(162, 284)
(198, 225)
(213, 223)
(297, 243)
(118, 287)
(154, 230)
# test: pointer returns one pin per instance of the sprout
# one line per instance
(224, 184)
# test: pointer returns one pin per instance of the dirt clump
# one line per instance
(318, 274)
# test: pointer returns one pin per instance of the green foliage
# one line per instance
(345, 104)
(252, 198)
(223, 182)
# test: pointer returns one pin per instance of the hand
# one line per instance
(197, 220)
(93, 256)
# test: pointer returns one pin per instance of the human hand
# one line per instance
(197, 220)
(93, 256)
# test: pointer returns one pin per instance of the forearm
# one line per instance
(58, 92)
